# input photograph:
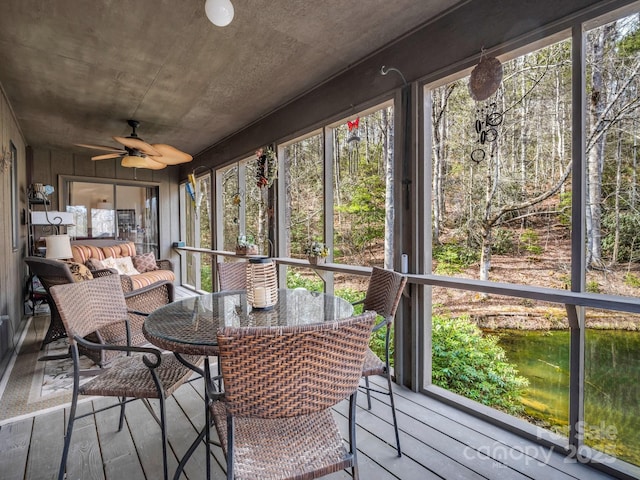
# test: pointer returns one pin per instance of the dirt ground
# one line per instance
(550, 268)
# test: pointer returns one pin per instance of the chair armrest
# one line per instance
(164, 264)
(123, 348)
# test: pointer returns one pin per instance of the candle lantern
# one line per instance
(262, 283)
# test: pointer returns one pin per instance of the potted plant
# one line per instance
(245, 245)
(316, 252)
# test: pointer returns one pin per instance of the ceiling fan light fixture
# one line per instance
(134, 161)
(219, 12)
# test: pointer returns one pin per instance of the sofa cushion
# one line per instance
(147, 278)
(79, 271)
(81, 253)
(94, 264)
(127, 249)
(145, 262)
(123, 265)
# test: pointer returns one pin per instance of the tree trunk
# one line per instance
(439, 102)
(616, 241)
(485, 253)
(389, 216)
(596, 153)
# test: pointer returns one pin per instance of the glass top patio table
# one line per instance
(190, 325)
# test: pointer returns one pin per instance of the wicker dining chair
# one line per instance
(274, 419)
(54, 272)
(383, 297)
(143, 300)
(232, 275)
(85, 307)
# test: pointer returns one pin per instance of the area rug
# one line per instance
(31, 386)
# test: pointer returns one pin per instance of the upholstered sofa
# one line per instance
(122, 256)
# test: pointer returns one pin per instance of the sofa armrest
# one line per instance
(127, 283)
(147, 299)
(164, 264)
(104, 272)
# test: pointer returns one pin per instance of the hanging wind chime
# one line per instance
(484, 81)
(353, 141)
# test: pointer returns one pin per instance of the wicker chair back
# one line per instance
(232, 275)
(292, 371)
(384, 292)
(98, 303)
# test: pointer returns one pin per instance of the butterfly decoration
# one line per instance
(353, 125)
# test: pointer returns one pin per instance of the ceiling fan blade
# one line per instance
(131, 161)
(101, 147)
(106, 156)
(170, 155)
(138, 144)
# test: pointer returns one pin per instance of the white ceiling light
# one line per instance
(219, 12)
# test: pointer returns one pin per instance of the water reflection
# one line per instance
(612, 387)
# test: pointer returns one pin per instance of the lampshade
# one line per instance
(262, 283)
(58, 246)
(219, 12)
(133, 161)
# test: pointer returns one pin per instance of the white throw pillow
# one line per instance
(124, 265)
(109, 262)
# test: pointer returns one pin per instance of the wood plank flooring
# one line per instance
(438, 441)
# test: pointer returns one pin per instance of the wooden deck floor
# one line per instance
(439, 442)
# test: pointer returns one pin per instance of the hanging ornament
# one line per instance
(353, 141)
(266, 167)
(191, 190)
(485, 78)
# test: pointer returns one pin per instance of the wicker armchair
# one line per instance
(383, 296)
(232, 275)
(275, 420)
(54, 272)
(86, 307)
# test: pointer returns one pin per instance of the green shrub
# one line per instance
(632, 280)
(205, 278)
(472, 364)
(565, 209)
(593, 286)
(453, 258)
(530, 240)
(628, 226)
(295, 280)
(502, 242)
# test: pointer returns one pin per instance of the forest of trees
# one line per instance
(505, 164)
(501, 167)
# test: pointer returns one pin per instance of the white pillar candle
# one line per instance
(259, 297)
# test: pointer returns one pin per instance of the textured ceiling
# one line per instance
(76, 70)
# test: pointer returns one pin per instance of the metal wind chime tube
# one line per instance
(262, 283)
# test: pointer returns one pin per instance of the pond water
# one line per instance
(612, 385)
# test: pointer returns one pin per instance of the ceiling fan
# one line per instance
(136, 153)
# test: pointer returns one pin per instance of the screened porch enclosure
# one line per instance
(510, 201)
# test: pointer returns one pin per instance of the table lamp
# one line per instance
(58, 247)
(262, 283)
